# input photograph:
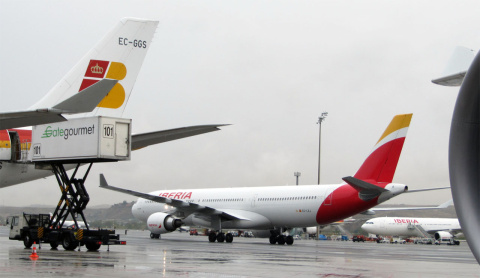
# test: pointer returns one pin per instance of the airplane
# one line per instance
(456, 68)
(463, 161)
(276, 208)
(99, 84)
(440, 228)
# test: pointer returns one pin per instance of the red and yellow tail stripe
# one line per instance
(382, 162)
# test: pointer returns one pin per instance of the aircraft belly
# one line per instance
(15, 173)
(290, 215)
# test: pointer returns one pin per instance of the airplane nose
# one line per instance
(136, 211)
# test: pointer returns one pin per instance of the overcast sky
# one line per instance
(269, 68)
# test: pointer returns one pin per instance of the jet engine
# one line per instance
(160, 223)
(443, 236)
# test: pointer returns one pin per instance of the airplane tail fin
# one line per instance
(118, 56)
(382, 162)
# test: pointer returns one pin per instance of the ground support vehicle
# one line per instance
(46, 228)
(37, 228)
(358, 238)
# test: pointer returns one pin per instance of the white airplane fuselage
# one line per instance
(405, 226)
(268, 207)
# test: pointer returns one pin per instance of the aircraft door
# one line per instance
(15, 147)
(254, 200)
(14, 227)
(121, 139)
(328, 198)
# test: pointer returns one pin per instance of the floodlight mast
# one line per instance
(297, 174)
(320, 120)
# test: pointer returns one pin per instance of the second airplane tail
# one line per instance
(119, 56)
(382, 162)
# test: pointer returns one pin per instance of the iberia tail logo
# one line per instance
(97, 70)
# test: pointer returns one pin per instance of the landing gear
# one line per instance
(277, 237)
(154, 236)
(229, 238)
(212, 236)
(220, 237)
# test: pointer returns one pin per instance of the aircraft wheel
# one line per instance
(27, 241)
(212, 237)
(229, 238)
(152, 235)
(289, 240)
(273, 239)
(92, 246)
(281, 240)
(221, 237)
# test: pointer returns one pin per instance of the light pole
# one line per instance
(297, 174)
(320, 120)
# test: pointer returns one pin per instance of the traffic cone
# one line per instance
(34, 254)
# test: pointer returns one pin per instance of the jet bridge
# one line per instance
(68, 145)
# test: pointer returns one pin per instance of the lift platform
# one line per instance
(76, 142)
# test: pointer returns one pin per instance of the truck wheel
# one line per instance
(27, 241)
(68, 243)
(92, 246)
(54, 244)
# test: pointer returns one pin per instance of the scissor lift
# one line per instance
(78, 142)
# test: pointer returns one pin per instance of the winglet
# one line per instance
(103, 181)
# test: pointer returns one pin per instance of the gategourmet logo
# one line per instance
(68, 132)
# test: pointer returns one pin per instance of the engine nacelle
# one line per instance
(443, 236)
(160, 223)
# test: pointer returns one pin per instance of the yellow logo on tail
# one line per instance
(96, 71)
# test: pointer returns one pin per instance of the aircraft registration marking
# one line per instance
(135, 43)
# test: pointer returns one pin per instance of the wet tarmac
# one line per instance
(179, 254)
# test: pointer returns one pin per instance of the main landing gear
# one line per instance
(220, 237)
(277, 237)
(154, 236)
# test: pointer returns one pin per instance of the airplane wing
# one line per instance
(146, 139)
(85, 101)
(186, 208)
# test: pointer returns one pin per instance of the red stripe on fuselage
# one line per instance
(24, 134)
(343, 202)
